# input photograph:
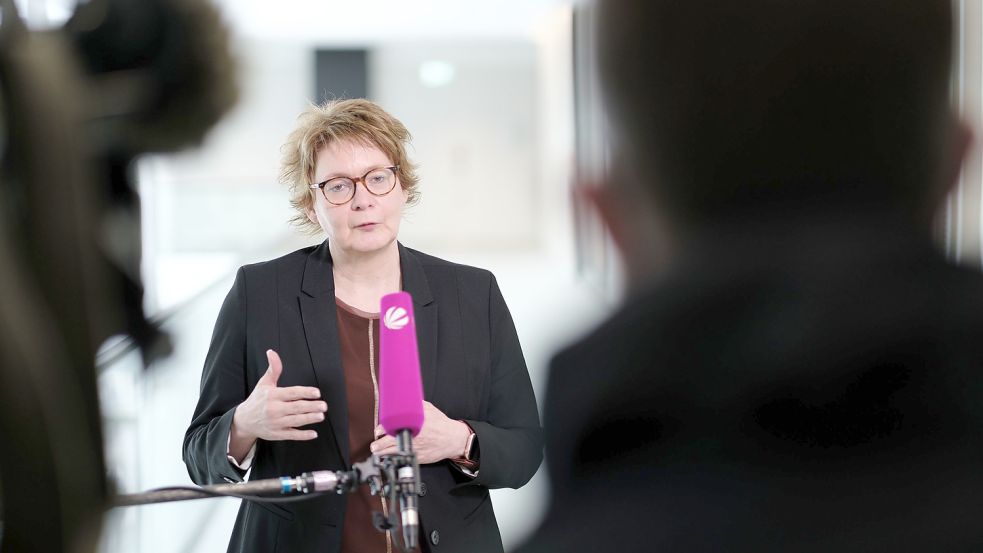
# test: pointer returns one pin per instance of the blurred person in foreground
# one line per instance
(796, 368)
(290, 383)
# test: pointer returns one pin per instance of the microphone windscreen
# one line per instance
(400, 387)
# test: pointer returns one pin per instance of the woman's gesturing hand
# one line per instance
(273, 413)
(440, 438)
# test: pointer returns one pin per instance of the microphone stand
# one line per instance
(401, 484)
(407, 488)
(394, 476)
(266, 490)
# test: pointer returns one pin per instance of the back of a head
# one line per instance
(718, 106)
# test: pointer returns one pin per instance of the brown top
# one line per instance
(358, 335)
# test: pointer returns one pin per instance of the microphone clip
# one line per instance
(395, 476)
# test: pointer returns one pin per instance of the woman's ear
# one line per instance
(313, 217)
(960, 143)
(635, 226)
(600, 199)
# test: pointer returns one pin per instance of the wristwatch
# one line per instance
(469, 460)
(471, 446)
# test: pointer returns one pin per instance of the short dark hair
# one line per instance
(744, 103)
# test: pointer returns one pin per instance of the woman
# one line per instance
(290, 382)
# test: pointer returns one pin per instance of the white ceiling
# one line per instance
(367, 22)
(352, 22)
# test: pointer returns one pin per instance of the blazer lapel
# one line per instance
(425, 309)
(317, 308)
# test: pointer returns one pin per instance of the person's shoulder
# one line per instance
(634, 324)
(434, 265)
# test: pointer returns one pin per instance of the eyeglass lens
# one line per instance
(378, 181)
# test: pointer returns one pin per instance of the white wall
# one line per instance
(474, 139)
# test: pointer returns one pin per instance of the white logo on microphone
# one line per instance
(396, 318)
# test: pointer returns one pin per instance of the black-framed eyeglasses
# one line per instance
(340, 190)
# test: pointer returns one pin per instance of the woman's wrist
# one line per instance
(240, 439)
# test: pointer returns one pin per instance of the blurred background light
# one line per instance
(436, 73)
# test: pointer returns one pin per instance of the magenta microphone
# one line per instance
(401, 397)
(400, 388)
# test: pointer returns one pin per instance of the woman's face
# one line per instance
(367, 223)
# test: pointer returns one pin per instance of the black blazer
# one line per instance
(472, 369)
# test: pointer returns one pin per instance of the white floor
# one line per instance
(147, 412)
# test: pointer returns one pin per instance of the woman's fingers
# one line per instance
(295, 421)
(275, 366)
(299, 407)
(296, 435)
(293, 393)
(384, 445)
(274, 413)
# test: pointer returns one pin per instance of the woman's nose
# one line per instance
(362, 198)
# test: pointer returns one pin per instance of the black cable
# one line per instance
(246, 497)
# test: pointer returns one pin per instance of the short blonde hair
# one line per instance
(335, 120)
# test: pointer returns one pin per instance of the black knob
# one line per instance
(435, 537)
(423, 489)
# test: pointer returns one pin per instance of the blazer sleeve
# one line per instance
(510, 440)
(223, 388)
